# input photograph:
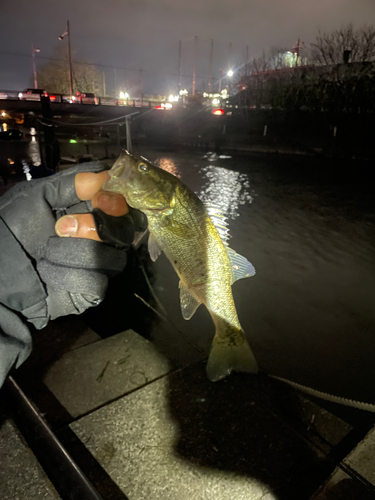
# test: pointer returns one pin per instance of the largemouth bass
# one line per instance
(180, 226)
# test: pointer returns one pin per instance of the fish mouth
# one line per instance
(120, 171)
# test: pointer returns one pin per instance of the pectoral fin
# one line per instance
(241, 267)
(188, 303)
(153, 248)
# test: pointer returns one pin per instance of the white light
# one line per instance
(168, 105)
(215, 101)
(3, 113)
(32, 131)
(230, 73)
(26, 170)
(183, 92)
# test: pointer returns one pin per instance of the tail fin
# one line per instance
(230, 351)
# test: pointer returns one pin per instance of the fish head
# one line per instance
(145, 186)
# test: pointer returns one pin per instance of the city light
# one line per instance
(230, 73)
(205, 94)
(183, 92)
(173, 98)
(164, 105)
(124, 95)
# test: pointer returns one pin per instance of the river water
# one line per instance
(307, 226)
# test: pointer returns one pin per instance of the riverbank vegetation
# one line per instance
(337, 74)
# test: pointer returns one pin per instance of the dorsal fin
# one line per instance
(219, 221)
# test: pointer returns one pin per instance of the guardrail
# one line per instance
(13, 95)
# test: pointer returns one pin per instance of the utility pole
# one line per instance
(247, 60)
(221, 77)
(67, 32)
(195, 64)
(141, 85)
(114, 82)
(104, 91)
(33, 50)
(70, 62)
(210, 68)
(179, 67)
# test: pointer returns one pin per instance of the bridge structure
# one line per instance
(108, 122)
(104, 106)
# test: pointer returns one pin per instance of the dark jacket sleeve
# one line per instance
(21, 294)
(43, 276)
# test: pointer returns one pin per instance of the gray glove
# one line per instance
(43, 276)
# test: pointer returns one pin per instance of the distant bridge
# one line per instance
(61, 104)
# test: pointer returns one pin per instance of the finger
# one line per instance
(87, 184)
(110, 203)
(77, 226)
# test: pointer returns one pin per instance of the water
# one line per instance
(307, 225)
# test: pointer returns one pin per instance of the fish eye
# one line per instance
(142, 168)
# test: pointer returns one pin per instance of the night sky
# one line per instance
(144, 34)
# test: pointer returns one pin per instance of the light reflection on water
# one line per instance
(225, 189)
(169, 165)
(33, 160)
(34, 153)
(26, 170)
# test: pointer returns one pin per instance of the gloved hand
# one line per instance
(44, 275)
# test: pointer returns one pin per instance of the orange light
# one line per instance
(218, 112)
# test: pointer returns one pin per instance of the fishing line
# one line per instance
(164, 316)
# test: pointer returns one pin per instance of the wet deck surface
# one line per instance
(141, 426)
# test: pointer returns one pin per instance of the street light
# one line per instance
(33, 50)
(230, 73)
(67, 32)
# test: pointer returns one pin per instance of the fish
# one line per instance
(179, 225)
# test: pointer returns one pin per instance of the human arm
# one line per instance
(44, 276)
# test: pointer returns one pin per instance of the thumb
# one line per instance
(77, 226)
